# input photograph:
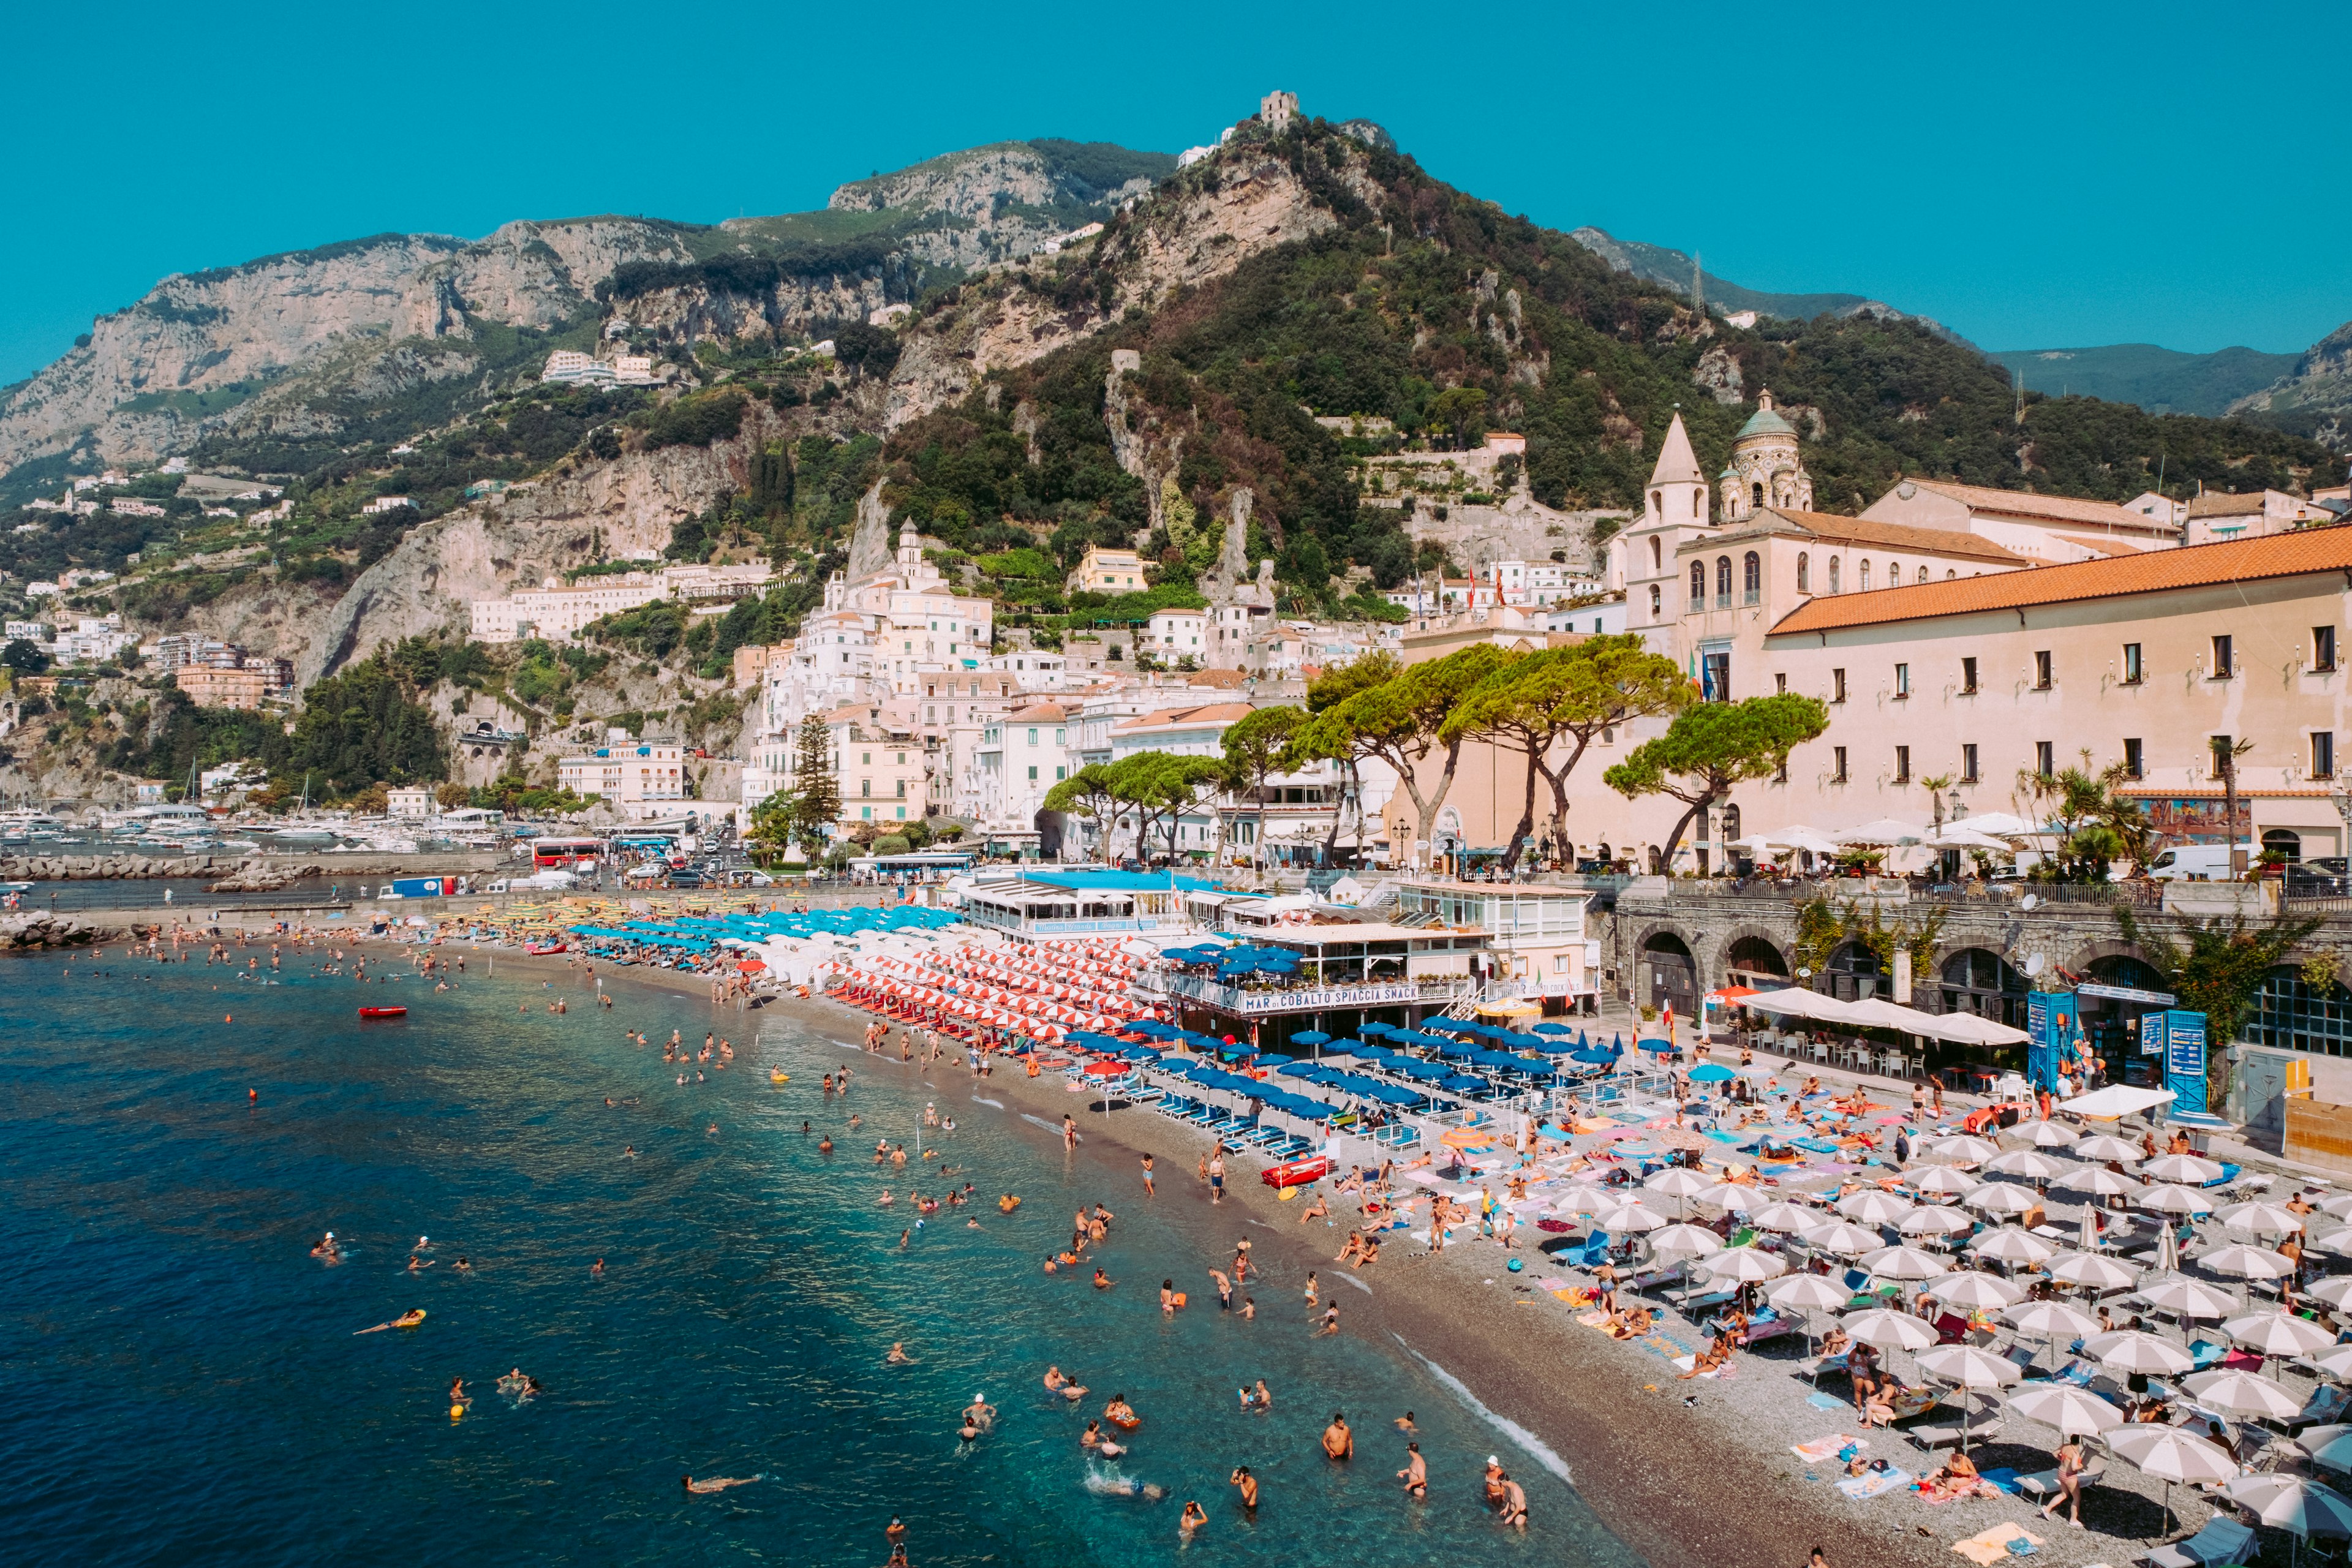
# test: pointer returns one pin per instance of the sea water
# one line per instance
(186, 1385)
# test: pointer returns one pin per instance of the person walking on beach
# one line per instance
(1217, 1176)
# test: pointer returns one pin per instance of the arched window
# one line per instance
(1698, 586)
(1729, 827)
(1698, 501)
(1923, 573)
(1863, 584)
(1833, 573)
(1653, 600)
(1657, 559)
(1657, 504)
(1804, 573)
(1757, 492)
(1751, 578)
(1949, 575)
(1895, 574)
(1722, 582)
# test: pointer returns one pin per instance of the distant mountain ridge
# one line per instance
(1676, 269)
(2160, 380)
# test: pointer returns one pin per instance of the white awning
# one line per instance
(2116, 1099)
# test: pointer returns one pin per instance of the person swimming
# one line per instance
(717, 1483)
(898, 1356)
(1195, 1516)
(407, 1319)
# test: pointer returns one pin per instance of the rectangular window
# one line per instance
(2323, 647)
(902, 814)
(1033, 737)
(1033, 773)
(2041, 671)
(2046, 758)
(1969, 762)
(1901, 764)
(1837, 763)
(1837, 684)
(865, 786)
(1779, 682)
(2132, 669)
(1780, 773)
(865, 759)
(2132, 765)
(2218, 746)
(1902, 681)
(866, 814)
(2222, 666)
(1715, 677)
(2323, 754)
(1060, 773)
(1967, 678)
(902, 789)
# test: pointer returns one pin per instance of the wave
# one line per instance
(1536, 1448)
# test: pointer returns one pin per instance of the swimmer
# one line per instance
(825, 1144)
(628, 1152)
(1195, 1516)
(979, 1412)
(407, 1319)
(596, 1271)
(1514, 1502)
(1415, 1474)
(1330, 1320)
(1338, 1443)
(717, 1483)
(1263, 1400)
(423, 1244)
(898, 1356)
(462, 1266)
(1404, 1424)
(1102, 1282)
(1248, 1484)
(417, 1265)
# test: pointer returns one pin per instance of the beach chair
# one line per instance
(2327, 1404)
(2042, 1485)
(2207, 1355)
(1952, 1434)
(2222, 1543)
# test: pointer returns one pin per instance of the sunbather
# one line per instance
(1955, 1477)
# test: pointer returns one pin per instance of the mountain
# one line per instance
(2160, 380)
(2314, 397)
(1676, 270)
(382, 336)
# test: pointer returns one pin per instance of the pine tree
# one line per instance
(816, 793)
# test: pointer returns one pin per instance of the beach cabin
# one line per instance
(1345, 974)
(1539, 936)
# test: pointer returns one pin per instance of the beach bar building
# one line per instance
(1348, 975)
(1043, 905)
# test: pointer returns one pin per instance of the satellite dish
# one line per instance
(2033, 963)
(2030, 901)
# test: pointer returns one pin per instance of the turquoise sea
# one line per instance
(186, 1387)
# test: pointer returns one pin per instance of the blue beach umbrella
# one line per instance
(1311, 1037)
(1711, 1073)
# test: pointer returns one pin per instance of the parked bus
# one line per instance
(566, 853)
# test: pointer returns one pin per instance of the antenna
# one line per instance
(1698, 287)
(2017, 380)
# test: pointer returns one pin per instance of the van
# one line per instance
(2196, 863)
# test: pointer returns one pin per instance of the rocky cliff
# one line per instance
(2312, 399)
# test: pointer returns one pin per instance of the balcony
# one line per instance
(1256, 1003)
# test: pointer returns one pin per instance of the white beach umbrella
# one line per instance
(2008, 1244)
(2107, 1146)
(1747, 1264)
(1634, 1217)
(2293, 1503)
(1731, 1196)
(1965, 1149)
(1785, 1218)
(1845, 1239)
(2337, 1204)
(1978, 1292)
(1999, 825)
(2170, 1455)
(2242, 1262)
(2334, 1290)
(1886, 832)
(2098, 1180)
(1889, 1329)
(2184, 1168)
(1685, 1240)
(2164, 1197)
(1903, 1263)
(2051, 1135)
(1872, 1205)
(1936, 1222)
(1678, 1182)
(2336, 1363)
(1584, 1198)
(2338, 1241)
(2278, 1333)
(2260, 1218)
(2135, 1350)
(2234, 1391)
(2073, 1411)
(1805, 1292)
(2052, 1321)
(2031, 1163)
(2190, 1299)
(1944, 1179)
(2090, 1271)
(2001, 1198)
(1968, 1366)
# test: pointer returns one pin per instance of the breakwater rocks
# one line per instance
(250, 873)
(107, 867)
(30, 929)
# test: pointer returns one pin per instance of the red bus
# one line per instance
(562, 854)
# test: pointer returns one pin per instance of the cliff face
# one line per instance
(203, 346)
(2315, 398)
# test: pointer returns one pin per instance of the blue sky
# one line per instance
(2036, 177)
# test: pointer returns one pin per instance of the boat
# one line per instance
(1297, 1172)
(383, 1012)
(541, 949)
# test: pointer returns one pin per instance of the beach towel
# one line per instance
(1825, 1448)
(1665, 1347)
(1827, 1402)
(1987, 1547)
(1594, 1320)
(1865, 1486)
(2002, 1480)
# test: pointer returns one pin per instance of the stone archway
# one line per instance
(1980, 981)
(1668, 973)
(1750, 953)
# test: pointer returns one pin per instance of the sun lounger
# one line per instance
(1764, 1329)
(1950, 1434)
(2327, 1404)
(2223, 1541)
(2206, 1353)
(2042, 1485)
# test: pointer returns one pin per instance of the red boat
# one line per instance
(1297, 1172)
(541, 949)
(383, 1012)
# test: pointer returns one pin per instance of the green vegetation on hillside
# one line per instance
(2163, 380)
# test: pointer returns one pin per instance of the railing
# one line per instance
(1304, 998)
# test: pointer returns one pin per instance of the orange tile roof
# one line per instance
(2025, 503)
(1190, 717)
(2226, 503)
(1834, 529)
(1036, 713)
(2320, 549)
(2103, 545)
